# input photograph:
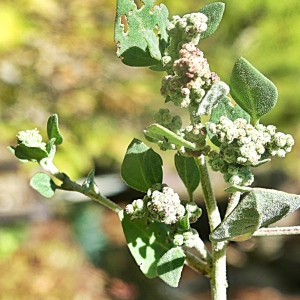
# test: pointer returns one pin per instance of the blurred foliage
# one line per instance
(11, 238)
(59, 57)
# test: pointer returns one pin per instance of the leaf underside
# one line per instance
(259, 208)
(43, 184)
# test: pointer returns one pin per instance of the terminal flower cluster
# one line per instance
(243, 145)
(190, 79)
(31, 138)
(162, 204)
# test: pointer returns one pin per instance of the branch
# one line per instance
(272, 231)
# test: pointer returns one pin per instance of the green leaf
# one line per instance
(158, 132)
(217, 92)
(53, 130)
(259, 208)
(255, 93)
(147, 242)
(146, 36)
(49, 145)
(214, 13)
(226, 109)
(169, 267)
(89, 184)
(141, 167)
(237, 188)
(30, 153)
(184, 223)
(43, 183)
(188, 171)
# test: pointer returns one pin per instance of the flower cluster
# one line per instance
(164, 118)
(243, 145)
(31, 138)
(188, 238)
(162, 204)
(186, 29)
(191, 77)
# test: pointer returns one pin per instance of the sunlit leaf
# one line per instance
(158, 132)
(147, 242)
(145, 37)
(141, 167)
(53, 130)
(44, 184)
(254, 92)
(259, 208)
(214, 13)
(169, 267)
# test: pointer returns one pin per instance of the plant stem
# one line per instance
(277, 231)
(218, 279)
(69, 185)
(197, 264)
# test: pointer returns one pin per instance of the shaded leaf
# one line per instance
(43, 183)
(188, 171)
(259, 208)
(169, 267)
(53, 130)
(254, 92)
(30, 153)
(214, 13)
(147, 242)
(158, 132)
(140, 45)
(141, 167)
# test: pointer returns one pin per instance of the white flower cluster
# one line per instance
(165, 205)
(191, 77)
(160, 204)
(188, 238)
(244, 145)
(187, 28)
(31, 138)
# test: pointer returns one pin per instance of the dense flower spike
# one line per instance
(244, 145)
(190, 79)
(31, 138)
(161, 204)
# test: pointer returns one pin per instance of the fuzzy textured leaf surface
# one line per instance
(158, 132)
(188, 171)
(217, 92)
(259, 208)
(214, 13)
(254, 92)
(141, 167)
(169, 267)
(146, 36)
(30, 153)
(43, 183)
(147, 242)
(226, 109)
(53, 130)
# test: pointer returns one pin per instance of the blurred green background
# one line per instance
(59, 57)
